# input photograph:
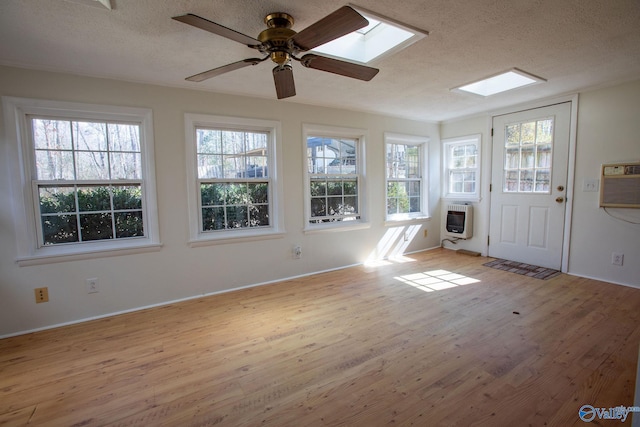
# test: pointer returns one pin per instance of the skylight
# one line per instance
(502, 82)
(381, 37)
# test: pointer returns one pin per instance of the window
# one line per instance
(334, 173)
(87, 178)
(232, 168)
(527, 156)
(405, 162)
(462, 167)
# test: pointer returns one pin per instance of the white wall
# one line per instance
(178, 271)
(608, 130)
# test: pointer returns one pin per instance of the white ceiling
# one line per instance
(573, 44)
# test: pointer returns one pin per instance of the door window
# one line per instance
(527, 156)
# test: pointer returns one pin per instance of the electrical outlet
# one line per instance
(92, 285)
(617, 258)
(297, 252)
(590, 185)
(406, 236)
(42, 295)
(426, 232)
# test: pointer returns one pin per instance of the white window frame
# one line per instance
(197, 237)
(311, 130)
(423, 143)
(447, 146)
(21, 153)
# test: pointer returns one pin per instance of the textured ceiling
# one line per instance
(573, 44)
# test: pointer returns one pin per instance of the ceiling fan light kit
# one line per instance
(281, 44)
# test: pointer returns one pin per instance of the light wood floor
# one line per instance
(355, 347)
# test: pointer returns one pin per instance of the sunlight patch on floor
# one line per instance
(436, 280)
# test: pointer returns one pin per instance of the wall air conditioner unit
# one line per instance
(459, 221)
(620, 185)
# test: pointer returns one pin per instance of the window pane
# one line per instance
(237, 217)
(543, 158)
(127, 197)
(52, 134)
(544, 133)
(512, 134)
(512, 158)
(96, 226)
(334, 188)
(59, 229)
(414, 188)
(126, 166)
(511, 181)
(528, 133)
(124, 137)
(209, 166)
(208, 141)
(213, 219)
(526, 157)
(350, 187)
(318, 188)
(57, 199)
(54, 165)
(88, 136)
(334, 206)
(236, 194)
(350, 205)
(414, 204)
(212, 194)
(92, 165)
(526, 181)
(258, 193)
(259, 216)
(129, 224)
(318, 207)
(543, 180)
(94, 199)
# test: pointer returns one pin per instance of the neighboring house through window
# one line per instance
(88, 178)
(405, 160)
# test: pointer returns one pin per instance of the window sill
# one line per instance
(227, 238)
(332, 227)
(75, 255)
(403, 221)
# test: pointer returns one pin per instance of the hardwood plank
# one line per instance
(360, 346)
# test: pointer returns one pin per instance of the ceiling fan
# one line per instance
(282, 44)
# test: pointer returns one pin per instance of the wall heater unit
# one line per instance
(459, 221)
(620, 186)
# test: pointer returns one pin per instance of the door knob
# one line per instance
(559, 199)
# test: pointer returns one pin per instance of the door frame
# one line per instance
(487, 171)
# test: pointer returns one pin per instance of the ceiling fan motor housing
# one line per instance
(275, 39)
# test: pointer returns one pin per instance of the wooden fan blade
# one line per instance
(343, 21)
(224, 69)
(348, 69)
(283, 78)
(212, 27)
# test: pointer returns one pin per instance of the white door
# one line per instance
(528, 185)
